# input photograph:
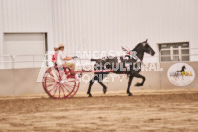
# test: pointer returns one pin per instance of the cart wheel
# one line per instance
(75, 89)
(60, 83)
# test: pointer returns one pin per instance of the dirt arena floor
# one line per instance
(169, 111)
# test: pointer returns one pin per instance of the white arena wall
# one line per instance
(102, 24)
(24, 81)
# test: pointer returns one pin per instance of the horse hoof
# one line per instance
(130, 94)
(104, 90)
(138, 84)
(90, 95)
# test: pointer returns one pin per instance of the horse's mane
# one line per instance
(136, 47)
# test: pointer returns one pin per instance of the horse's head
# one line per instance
(145, 47)
(183, 67)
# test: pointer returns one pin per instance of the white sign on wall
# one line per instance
(181, 74)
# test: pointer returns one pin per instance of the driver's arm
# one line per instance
(67, 58)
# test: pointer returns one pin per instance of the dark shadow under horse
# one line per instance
(119, 66)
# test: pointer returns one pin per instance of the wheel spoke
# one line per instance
(55, 90)
(52, 88)
(51, 74)
(48, 85)
(59, 91)
(50, 79)
(55, 74)
(68, 88)
(66, 85)
(63, 90)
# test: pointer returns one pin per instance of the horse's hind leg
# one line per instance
(104, 87)
(91, 82)
(97, 77)
(129, 84)
(100, 78)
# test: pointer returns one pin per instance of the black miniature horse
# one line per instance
(182, 69)
(178, 73)
(112, 62)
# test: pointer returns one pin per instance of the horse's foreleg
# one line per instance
(129, 84)
(139, 76)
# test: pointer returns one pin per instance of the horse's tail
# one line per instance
(94, 59)
(128, 75)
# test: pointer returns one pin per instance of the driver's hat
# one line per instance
(61, 46)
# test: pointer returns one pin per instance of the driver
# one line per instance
(61, 59)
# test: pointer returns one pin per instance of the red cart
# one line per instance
(62, 82)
